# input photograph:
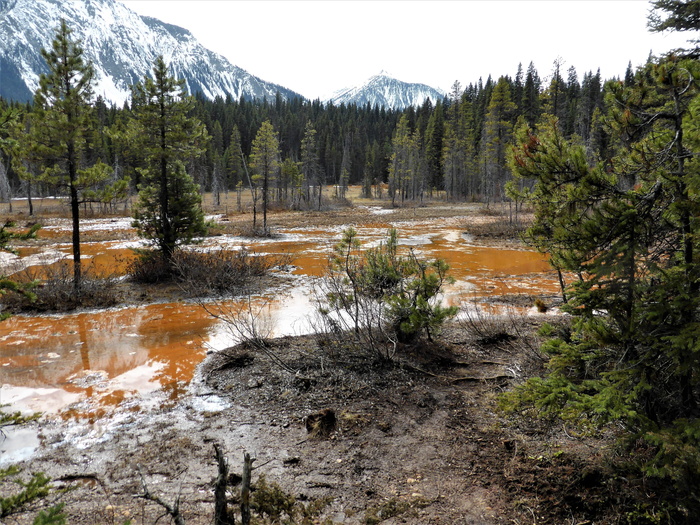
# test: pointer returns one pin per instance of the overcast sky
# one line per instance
(318, 47)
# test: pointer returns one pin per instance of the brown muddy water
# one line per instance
(83, 366)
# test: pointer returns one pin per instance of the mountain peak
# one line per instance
(122, 47)
(387, 91)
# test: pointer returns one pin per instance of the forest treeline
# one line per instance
(455, 148)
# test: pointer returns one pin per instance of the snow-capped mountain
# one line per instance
(122, 47)
(384, 90)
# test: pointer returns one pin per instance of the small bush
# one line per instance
(52, 290)
(274, 505)
(389, 509)
(381, 297)
(498, 228)
(149, 267)
(220, 272)
(201, 274)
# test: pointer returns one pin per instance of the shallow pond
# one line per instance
(83, 365)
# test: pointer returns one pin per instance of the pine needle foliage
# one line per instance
(626, 227)
(168, 212)
(381, 296)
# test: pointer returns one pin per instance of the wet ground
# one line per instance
(124, 389)
(81, 364)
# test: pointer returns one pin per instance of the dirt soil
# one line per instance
(415, 440)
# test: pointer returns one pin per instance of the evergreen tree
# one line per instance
(434, 135)
(497, 135)
(531, 96)
(265, 160)
(168, 212)
(628, 227)
(61, 125)
(553, 98)
(24, 160)
(310, 165)
(681, 15)
(573, 95)
(233, 160)
(404, 169)
(519, 89)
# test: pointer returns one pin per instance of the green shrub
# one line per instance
(381, 297)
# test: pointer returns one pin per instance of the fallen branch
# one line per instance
(172, 510)
(485, 378)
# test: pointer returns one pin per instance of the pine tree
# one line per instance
(62, 122)
(681, 15)
(531, 96)
(233, 160)
(265, 160)
(169, 211)
(434, 135)
(497, 135)
(553, 98)
(405, 173)
(627, 226)
(310, 164)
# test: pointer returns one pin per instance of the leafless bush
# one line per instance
(149, 267)
(248, 321)
(364, 331)
(500, 227)
(504, 327)
(218, 272)
(222, 272)
(55, 290)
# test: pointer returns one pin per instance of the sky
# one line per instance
(316, 47)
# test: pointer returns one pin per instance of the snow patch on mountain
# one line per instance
(122, 47)
(385, 90)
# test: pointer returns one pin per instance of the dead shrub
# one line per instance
(149, 267)
(499, 228)
(485, 324)
(54, 290)
(221, 272)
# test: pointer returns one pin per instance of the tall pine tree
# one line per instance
(168, 212)
(62, 122)
(265, 161)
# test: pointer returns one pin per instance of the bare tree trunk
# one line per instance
(221, 516)
(245, 489)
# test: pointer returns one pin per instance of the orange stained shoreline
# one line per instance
(84, 365)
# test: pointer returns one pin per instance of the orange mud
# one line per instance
(85, 364)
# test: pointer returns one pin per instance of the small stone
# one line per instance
(254, 383)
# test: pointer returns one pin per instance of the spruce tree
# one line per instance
(310, 163)
(497, 135)
(531, 96)
(168, 212)
(434, 135)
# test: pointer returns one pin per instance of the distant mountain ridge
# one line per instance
(122, 46)
(385, 90)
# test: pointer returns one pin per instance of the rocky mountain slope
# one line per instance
(122, 46)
